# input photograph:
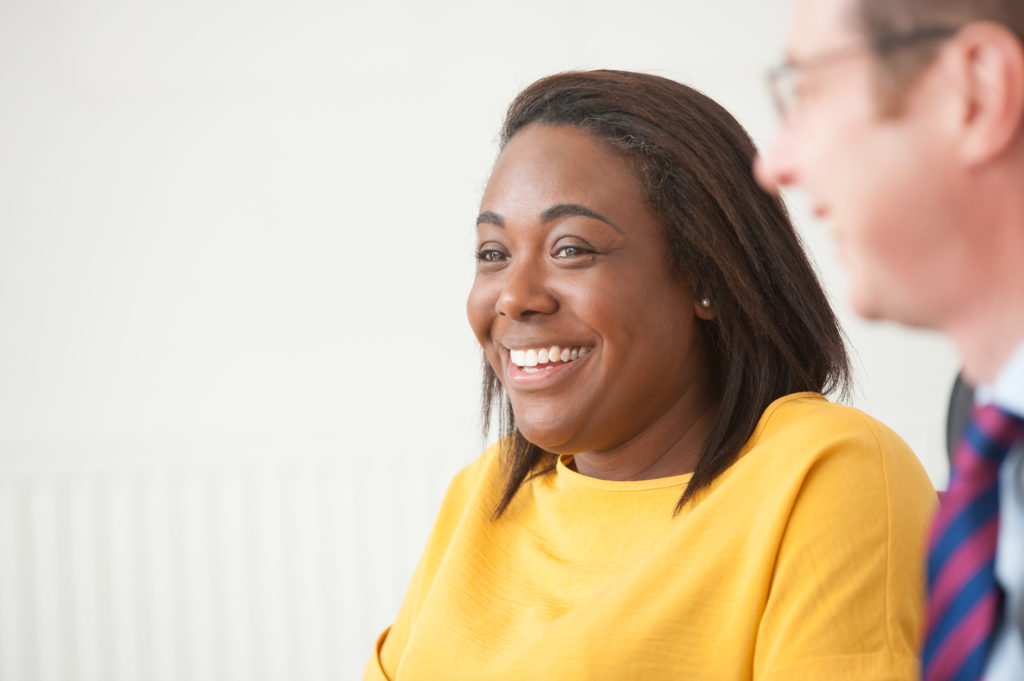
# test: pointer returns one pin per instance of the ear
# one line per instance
(990, 65)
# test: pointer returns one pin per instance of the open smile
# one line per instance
(531, 365)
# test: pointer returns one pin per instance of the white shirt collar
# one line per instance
(1007, 390)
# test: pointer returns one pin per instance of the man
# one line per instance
(903, 120)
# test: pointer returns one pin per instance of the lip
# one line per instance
(542, 379)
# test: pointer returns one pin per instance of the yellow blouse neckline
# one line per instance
(569, 476)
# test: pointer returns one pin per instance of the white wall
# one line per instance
(240, 234)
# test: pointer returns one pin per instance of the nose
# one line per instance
(525, 292)
(774, 165)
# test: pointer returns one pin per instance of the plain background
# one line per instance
(243, 231)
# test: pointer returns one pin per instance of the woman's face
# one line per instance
(592, 336)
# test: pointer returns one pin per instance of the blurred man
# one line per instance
(903, 121)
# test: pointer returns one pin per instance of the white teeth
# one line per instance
(538, 356)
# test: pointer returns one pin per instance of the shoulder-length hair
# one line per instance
(774, 332)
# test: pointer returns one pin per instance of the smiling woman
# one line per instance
(572, 256)
(672, 495)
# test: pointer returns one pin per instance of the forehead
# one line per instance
(821, 25)
(558, 162)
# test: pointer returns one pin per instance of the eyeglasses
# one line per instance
(784, 80)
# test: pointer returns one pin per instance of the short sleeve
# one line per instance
(391, 644)
(846, 599)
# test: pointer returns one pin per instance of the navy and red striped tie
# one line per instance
(964, 599)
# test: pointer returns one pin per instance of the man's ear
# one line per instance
(989, 77)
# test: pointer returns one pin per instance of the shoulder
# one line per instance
(481, 478)
(469, 502)
(808, 425)
(848, 504)
(801, 434)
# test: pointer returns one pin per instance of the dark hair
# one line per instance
(897, 68)
(774, 332)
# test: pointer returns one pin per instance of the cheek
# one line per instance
(836, 143)
(480, 310)
(892, 215)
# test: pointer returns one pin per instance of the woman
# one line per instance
(672, 497)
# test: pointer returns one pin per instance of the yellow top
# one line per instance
(803, 561)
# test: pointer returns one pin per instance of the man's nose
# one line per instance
(774, 166)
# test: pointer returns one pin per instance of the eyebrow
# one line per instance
(549, 214)
(490, 218)
(564, 209)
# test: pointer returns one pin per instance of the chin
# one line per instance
(542, 432)
(866, 300)
(557, 438)
(875, 309)
(866, 310)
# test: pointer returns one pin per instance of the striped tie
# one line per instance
(964, 600)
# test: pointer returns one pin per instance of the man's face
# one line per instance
(878, 181)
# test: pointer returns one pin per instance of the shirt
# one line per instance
(802, 561)
(1006, 662)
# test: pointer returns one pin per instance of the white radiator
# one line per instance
(244, 570)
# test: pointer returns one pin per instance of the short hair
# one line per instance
(897, 68)
(774, 332)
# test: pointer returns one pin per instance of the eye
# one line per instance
(804, 87)
(571, 250)
(491, 253)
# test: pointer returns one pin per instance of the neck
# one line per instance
(989, 324)
(986, 321)
(669, 447)
(986, 345)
